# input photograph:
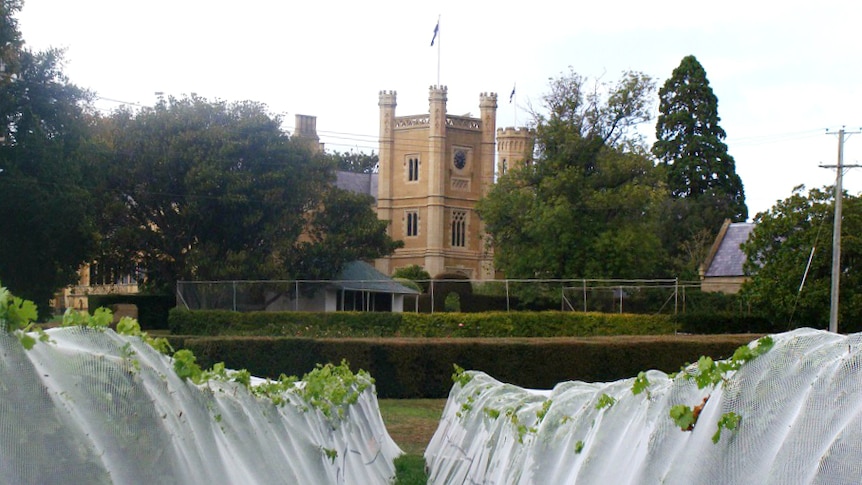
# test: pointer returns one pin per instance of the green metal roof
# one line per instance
(361, 276)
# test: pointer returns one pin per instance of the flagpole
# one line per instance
(515, 110)
(440, 35)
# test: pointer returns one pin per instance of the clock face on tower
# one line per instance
(460, 159)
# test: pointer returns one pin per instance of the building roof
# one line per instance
(726, 257)
(361, 183)
(361, 276)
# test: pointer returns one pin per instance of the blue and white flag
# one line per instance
(436, 30)
(512, 96)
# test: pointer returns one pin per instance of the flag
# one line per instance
(512, 96)
(436, 30)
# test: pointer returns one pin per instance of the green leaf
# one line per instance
(640, 384)
(605, 401)
(683, 416)
(729, 421)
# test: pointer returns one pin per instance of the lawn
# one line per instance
(411, 422)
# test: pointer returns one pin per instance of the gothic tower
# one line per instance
(514, 148)
(433, 169)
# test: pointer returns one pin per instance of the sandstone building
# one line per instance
(433, 169)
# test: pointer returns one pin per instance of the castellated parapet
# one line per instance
(488, 100)
(387, 98)
(514, 148)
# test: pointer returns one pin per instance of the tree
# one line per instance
(48, 229)
(701, 175)
(586, 207)
(355, 162)
(778, 252)
(211, 190)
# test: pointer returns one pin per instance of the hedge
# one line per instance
(422, 368)
(356, 324)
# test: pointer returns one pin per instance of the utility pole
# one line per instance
(836, 229)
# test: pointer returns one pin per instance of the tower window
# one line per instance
(459, 229)
(412, 223)
(413, 169)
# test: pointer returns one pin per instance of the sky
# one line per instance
(787, 75)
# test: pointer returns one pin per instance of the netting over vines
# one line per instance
(95, 407)
(793, 414)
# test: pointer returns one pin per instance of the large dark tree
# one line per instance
(778, 253)
(207, 190)
(586, 207)
(47, 229)
(700, 174)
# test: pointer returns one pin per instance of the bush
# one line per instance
(363, 324)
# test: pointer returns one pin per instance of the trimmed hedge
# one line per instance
(422, 368)
(357, 324)
(725, 322)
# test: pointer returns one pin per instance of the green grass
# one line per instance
(411, 423)
(410, 470)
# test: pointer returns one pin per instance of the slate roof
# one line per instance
(729, 258)
(361, 183)
(361, 276)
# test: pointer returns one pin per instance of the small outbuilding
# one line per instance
(722, 271)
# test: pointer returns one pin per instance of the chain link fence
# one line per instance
(654, 296)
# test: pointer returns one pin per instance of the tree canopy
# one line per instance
(700, 174)
(211, 190)
(45, 123)
(587, 205)
(689, 142)
(358, 162)
(778, 252)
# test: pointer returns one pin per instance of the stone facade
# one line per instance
(434, 167)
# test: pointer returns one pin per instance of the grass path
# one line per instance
(411, 422)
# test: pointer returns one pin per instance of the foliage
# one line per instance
(416, 273)
(778, 252)
(460, 376)
(729, 421)
(357, 162)
(640, 384)
(700, 174)
(709, 373)
(17, 317)
(331, 389)
(346, 229)
(587, 206)
(45, 125)
(455, 325)
(605, 401)
(213, 190)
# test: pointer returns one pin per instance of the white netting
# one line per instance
(800, 403)
(96, 407)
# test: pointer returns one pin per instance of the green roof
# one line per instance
(361, 276)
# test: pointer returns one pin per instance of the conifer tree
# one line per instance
(689, 143)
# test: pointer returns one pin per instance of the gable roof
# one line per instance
(361, 276)
(726, 258)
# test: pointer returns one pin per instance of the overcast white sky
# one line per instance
(783, 73)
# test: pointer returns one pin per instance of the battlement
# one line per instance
(488, 100)
(511, 131)
(387, 98)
